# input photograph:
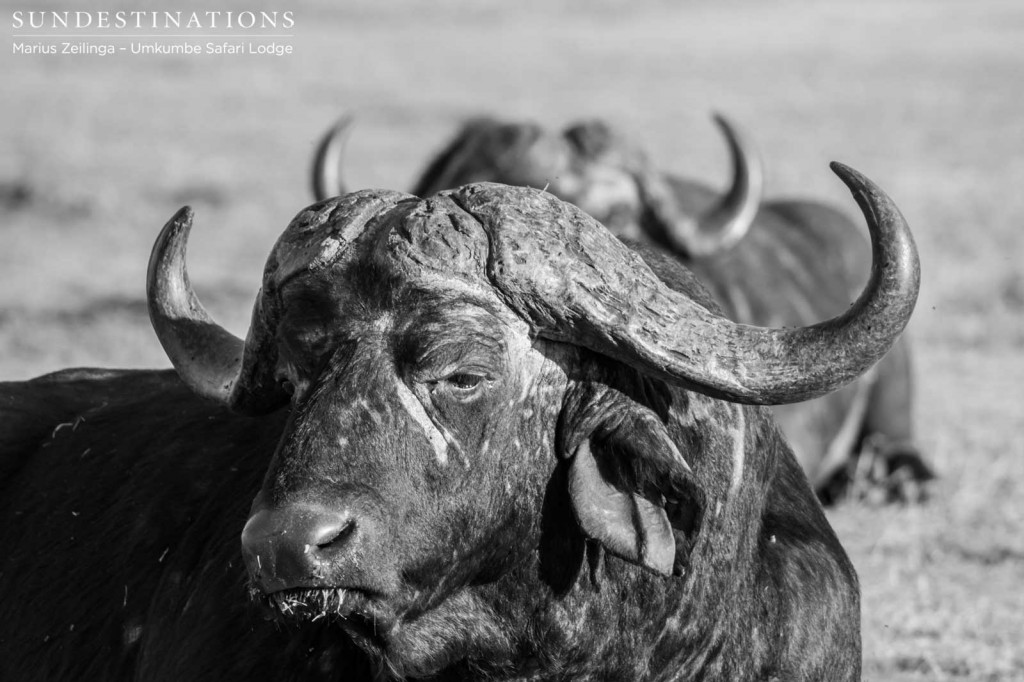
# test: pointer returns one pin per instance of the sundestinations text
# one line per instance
(187, 48)
(139, 19)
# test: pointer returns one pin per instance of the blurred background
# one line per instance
(925, 97)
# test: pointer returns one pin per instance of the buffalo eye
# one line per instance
(464, 381)
(460, 386)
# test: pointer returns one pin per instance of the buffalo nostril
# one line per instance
(297, 545)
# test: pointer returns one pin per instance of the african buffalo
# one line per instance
(494, 443)
(591, 166)
(777, 263)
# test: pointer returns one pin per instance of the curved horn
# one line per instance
(210, 360)
(728, 220)
(327, 181)
(576, 283)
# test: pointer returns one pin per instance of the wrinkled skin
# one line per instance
(148, 525)
(796, 263)
(465, 483)
(456, 493)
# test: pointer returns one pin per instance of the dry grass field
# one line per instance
(926, 97)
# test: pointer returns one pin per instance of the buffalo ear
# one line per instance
(631, 488)
(625, 523)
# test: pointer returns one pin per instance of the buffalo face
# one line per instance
(411, 466)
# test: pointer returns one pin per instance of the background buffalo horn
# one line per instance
(576, 283)
(327, 180)
(207, 357)
(725, 223)
(210, 360)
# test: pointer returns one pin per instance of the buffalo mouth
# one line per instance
(354, 609)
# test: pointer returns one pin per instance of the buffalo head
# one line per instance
(588, 164)
(453, 368)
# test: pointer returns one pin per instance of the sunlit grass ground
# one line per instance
(927, 98)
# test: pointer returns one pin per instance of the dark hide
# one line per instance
(127, 495)
(122, 499)
(449, 494)
(143, 500)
